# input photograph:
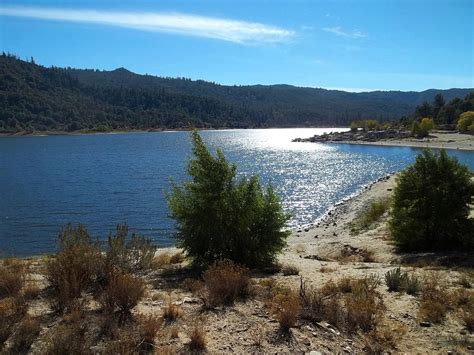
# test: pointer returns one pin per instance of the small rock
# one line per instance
(463, 332)
(425, 324)
(347, 349)
(314, 352)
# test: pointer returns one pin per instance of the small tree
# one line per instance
(431, 205)
(426, 125)
(221, 218)
(466, 122)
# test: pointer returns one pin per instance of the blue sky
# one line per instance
(350, 45)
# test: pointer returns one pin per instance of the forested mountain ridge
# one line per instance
(33, 97)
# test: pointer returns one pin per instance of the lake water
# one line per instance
(102, 180)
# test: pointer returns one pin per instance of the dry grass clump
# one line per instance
(289, 270)
(344, 285)
(148, 328)
(466, 280)
(434, 301)
(25, 334)
(225, 282)
(177, 258)
(74, 268)
(287, 308)
(66, 338)
(192, 285)
(12, 277)
(125, 343)
(165, 259)
(171, 312)
(364, 307)
(326, 269)
(174, 333)
(130, 255)
(12, 310)
(122, 293)
(31, 291)
(463, 299)
(198, 338)
(161, 260)
(385, 336)
(353, 304)
(467, 317)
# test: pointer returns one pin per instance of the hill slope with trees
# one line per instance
(36, 98)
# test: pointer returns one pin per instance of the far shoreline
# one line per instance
(148, 130)
(438, 140)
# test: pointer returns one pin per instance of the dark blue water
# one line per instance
(102, 180)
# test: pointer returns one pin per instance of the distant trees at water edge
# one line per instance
(457, 114)
(35, 98)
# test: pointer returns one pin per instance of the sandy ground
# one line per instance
(435, 140)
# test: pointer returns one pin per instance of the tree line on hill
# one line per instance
(36, 98)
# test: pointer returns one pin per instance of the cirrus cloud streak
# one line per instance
(178, 23)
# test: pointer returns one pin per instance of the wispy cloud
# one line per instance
(339, 31)
(178, 23)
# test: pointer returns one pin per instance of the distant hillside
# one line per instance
(33, 97)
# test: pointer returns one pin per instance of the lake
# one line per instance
(104, 179)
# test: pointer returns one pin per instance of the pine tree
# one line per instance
(431, 205)
(221, 218)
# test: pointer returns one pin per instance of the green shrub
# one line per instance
(372, 214)
(466, 122)
(431, 205)
(395, 279)
(221, 218)
(412, 285)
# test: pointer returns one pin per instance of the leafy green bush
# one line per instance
(221, 218)
(466, 122)
(431, 205)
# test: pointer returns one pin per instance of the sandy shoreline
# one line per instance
(438, 140)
